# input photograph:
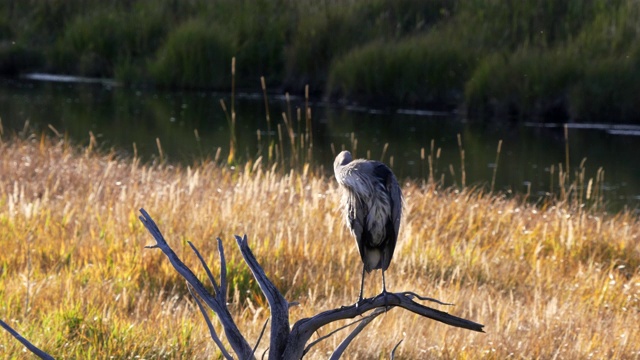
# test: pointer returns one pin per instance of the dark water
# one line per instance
(120, 117)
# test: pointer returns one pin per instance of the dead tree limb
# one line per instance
(337, 353)
(304, 328)
(286, 342)
(393, 352)
(217, 302)
(277, 303)
(212, 330)
(34, 349)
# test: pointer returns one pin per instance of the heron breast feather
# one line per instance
(373, 259)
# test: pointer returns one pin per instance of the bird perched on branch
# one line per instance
(372, 205)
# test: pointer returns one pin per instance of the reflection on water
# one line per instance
(120, 117)
(615, 129)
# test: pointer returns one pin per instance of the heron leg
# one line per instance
(384, 285)
(361, 287)
(384, 290)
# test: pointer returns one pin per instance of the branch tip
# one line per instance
(293, 304)
(34, 349)
(393, 352)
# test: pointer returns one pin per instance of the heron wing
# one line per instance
(392, 225)
(356, 217)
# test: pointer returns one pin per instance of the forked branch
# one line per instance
(286, 343)
(216, 302)
(34, 349)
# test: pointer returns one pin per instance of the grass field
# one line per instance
(552, 281)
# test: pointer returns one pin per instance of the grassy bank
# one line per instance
(577, 60)
(546, 281)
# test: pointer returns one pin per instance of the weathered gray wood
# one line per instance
(34, 349)
(289, 343)
(303, 329)
(338, 329)
(216, 288)
(337, 353)
(264, 327)
(223, 272)
(212, 330)
(277, 303)
(393, 352)
(216, 303)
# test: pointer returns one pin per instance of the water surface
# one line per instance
(120, 117)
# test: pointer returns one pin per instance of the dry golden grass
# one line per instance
(548, 282)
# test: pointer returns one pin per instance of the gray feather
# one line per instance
(372, 205)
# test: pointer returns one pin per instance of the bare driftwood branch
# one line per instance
(343, 345)
(216, 288)
(264, 327)
(216, 302)
(304, 328)
(323, 337)
(34, 349)
(277, 303)
(289, 343)
(393, 352)
(212, 330)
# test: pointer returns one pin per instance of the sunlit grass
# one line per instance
(546, 281)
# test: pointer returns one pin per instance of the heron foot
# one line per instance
(362, 301)
(384, 294)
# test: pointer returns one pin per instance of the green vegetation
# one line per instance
(193, 56)
(417, 70)
(557, 279)
(572, 59)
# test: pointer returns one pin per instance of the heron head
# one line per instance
(341, 160)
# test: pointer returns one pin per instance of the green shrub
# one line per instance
(316, 42)
(613, 32)
(197, 54)
(261, 30)
(529, 80)
(418, 70)
(326, 33)
(90, 45)
(143, 34)
(16, 58)
(609, 90)
(6, 33)
(510, 24)
(43, 22)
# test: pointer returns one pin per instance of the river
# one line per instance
(191, 125)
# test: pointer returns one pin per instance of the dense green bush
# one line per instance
(510, 24)
(530, 56)
(528, 80)
(197, 54)
(614, 32)
(90, 45)
(260, 29)
(99, 44)
(588, 72)
(419, 70)
(609, 90)
(330, 32)
(16, 58)
(610, 87)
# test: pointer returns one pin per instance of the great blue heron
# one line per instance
(372, 205)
